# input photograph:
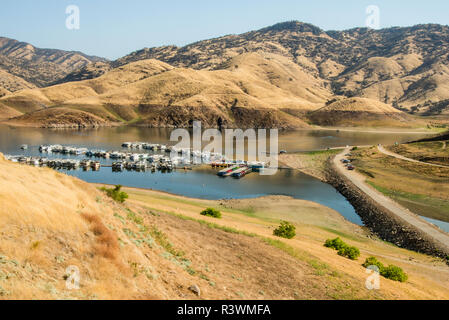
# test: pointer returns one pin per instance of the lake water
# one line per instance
(202, 182)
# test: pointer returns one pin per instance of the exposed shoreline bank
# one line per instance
(75, 126)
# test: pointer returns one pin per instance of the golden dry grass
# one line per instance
(311, 163)
(429, 277)
(361, 104)
(421, 188)
(11, 83)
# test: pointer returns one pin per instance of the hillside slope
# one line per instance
(268, 77)
(154, 247)
(250, 90)
(353, 111)
(51, 222)
(10, 83)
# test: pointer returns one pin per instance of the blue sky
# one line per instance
(111, 28)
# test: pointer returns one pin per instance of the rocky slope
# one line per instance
(10, 83)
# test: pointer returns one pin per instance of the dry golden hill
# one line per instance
(29, 101)
(261, 88)
(249, 90)
(254, 89)
(56, 118)
(8, 112)
(157, 246)
(10, 83)
(407, 67)
(360, 111)
(3, 92)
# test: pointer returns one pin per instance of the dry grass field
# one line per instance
(421, 188)
(436, 152)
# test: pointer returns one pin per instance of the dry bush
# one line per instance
(107, 243)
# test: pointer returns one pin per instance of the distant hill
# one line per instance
(287, 75)
(37, 66)
(406, 67)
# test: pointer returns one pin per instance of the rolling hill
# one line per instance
(350, 111)
(250, 90)
(256, 87)
(407, 67)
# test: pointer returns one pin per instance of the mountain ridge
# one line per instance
(274, 76)
(348, 50)
(40, 66)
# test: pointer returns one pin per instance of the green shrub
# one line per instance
(350, 252)
(336, 244)
(394, 273)
(391, 272)
(211, 212)
(343, 249)
(372, 261)
(285, 230)
(116, 194)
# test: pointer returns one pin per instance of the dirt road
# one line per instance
(398, 156)
(359, 181)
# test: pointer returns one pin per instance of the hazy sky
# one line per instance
(111, 28)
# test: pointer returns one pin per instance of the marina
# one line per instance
(159, 157)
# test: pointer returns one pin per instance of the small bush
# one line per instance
(372, 261)
(336, 244)
(211, 212)
(116, 194)
(391, 272)
(394, 273)
(343, 249)
(349, 252)
(285, 230)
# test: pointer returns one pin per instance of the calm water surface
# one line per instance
(202, 182)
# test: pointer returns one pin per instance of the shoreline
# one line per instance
(380, 130)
